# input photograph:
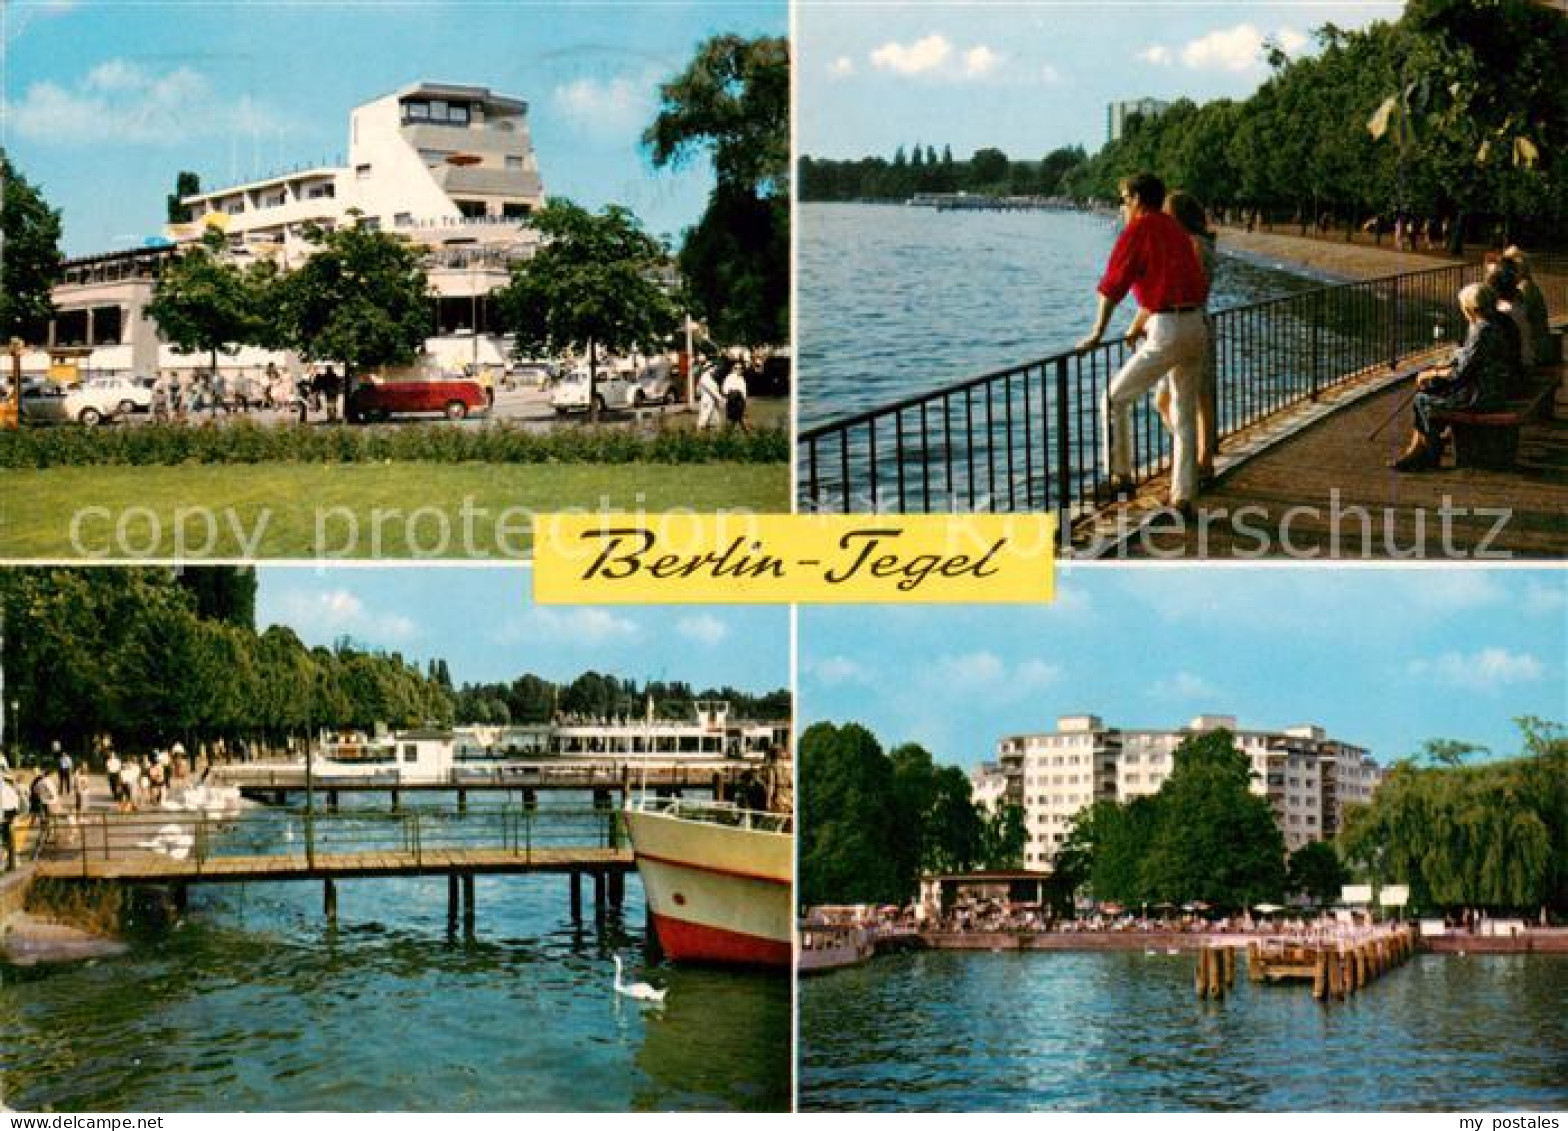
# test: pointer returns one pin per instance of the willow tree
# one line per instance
(1493, 835)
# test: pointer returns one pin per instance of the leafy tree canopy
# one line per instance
(29, 256)
(362, 299)
(732, 100)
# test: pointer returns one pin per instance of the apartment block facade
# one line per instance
(1306, 776)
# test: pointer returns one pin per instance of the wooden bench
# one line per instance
(1490, 439)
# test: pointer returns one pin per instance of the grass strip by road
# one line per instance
(417, 510)
(246, 442)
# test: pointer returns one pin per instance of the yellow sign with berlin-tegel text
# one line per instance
(715, 559)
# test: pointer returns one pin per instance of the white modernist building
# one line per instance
(1307, 777)
(450, 167)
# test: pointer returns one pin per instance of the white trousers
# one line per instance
(1176, 344)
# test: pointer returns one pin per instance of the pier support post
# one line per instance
(577, 897)
(452, 900)
(468, 905)
(280, 797)
(329, 900)
(396, 801)
(617, 890)
(1254, 961)
(598, 897)
(530, 799)
(332, 801)
(462, 801)
(1228, 958)
(182, 897)
(601, 799)
(718, 786)
(1320, 976)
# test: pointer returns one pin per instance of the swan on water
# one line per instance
(641, 991)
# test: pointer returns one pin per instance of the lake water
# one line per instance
(896, 300)
(1122, 1031)
(252, 1002)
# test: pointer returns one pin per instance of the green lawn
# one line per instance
(403, 510)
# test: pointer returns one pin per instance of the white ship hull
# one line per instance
(719, 887)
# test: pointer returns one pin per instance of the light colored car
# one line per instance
(620, 385)
(129, 394)
(88, 403)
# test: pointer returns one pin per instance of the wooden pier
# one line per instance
(176, 850)
(1335, 968)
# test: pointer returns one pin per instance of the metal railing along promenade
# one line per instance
(305, 844)
(1031, 437)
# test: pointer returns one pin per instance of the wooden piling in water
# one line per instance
(1201, 974)
(1254, 961)
(1228, 958)
(577, 897)
(1320, 976)
(617, 890)
(452, 899)
(462, 801)
(469, 911)
(332, 801)
(396, 801)
(329, 900)
(598, 897)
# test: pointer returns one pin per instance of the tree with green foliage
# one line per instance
(223, 593)
(148, 657)
(592, 285)
(1316, 871)
(847, 824)
(362, 299)
(1204, 836)
(1002, 838)
(732, 102)
(1492, 835)
(30, 256)
(204, 302)
(186, 184)
(1215, 840)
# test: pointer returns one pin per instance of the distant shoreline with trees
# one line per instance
(1450, 117)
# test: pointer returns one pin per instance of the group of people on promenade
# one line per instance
(1165, 257)
(722, 395)
(1507, 334)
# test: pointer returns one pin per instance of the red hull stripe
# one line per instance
(672, 862)
(693, 942)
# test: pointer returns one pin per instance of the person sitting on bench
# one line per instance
(1475, 380)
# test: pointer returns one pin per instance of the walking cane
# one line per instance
(1399, 410)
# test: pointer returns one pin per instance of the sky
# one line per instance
(1029, 77)
(484, 623)
(106, 100)
(1382, 658)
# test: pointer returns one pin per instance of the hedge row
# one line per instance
(247, 442)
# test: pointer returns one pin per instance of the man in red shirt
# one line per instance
(1154, 258)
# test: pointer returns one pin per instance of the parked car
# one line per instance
(620, 385)
(129, 394)
(84, 403)
(413, 391)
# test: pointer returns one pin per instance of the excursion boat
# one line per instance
(717, 879)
